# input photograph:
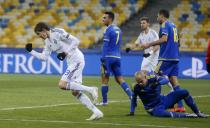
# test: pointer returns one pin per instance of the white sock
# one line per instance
(87, 102)
(78, 87)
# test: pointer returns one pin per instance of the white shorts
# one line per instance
(148, 65)
(74, 71)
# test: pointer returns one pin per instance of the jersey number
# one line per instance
(118, 35)
(175, 35)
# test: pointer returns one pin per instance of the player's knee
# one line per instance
(62, 85)
(119, 79)
(75, 93)
(185, 92)
(105, 80)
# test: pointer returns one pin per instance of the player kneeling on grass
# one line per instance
(66, 46)
(148, 88)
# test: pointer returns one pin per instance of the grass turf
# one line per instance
(36, 91)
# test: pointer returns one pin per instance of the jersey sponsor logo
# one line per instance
(197, 70)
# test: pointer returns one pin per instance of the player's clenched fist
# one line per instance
(61, 56)
(28, 47)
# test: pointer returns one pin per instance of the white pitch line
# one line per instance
(201, 96)
(53, 105)
(66, 104)
(91, 123)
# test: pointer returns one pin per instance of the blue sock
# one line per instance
(104, 91)
(133, 103)
(126, 89)
(180, 103)
(190, 102)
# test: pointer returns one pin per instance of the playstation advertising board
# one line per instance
(18, 61)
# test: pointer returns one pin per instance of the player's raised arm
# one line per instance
(42, 56)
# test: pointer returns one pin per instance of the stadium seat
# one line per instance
(75, 16)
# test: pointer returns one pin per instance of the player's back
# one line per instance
(112, 41)
(170, 49)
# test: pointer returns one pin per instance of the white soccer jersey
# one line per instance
(60, 41)
(150, 62)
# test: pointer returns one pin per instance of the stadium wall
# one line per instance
(18, 61)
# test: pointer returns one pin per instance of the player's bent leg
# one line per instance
(191, 103)
(175, 83)
(79, 87)
(160, 112)
(62, 84)
(97, 114)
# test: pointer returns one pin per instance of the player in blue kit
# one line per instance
(148, 88)
(111, 58)
(169, 51)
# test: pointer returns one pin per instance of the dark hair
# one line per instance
(40, 27)
(145, 18)
(164, 12)
(110, 14)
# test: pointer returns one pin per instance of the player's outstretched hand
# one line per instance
(146, 55)
(28, 47)
(130, 114)
(127, 50)
(61, 56)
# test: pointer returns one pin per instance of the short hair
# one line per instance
(145, 18)
(164, 12)
(40, 27)
(110, 14)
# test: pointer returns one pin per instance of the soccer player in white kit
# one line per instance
(150, 55)
(66, 46)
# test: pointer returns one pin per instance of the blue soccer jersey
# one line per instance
(170, 49)
(112, 41)
(151, 93)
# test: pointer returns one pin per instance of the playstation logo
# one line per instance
(197, 70)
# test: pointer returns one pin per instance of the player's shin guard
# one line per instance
(127, 89)
(87, 102)
(104, 91)
(180, 103)
(190, 102)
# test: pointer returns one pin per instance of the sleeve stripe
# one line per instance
(164, 33)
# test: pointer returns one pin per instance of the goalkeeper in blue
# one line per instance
(111, 58)
(148, 88)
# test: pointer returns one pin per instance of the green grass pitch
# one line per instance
(35, 101)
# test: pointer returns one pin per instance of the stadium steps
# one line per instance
(131, 29)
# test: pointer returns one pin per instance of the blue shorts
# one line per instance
(111, 65)
(169, 68)
(168, 101)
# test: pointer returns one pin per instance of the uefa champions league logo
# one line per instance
(197, 70)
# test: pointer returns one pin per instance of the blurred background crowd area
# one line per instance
(82, 18)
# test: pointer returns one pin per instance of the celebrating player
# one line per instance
(66, 46)
(148, 88)
(110, 60)
(169, 51)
